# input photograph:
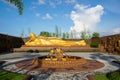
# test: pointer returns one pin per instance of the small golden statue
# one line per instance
(51, 41)
(58, 53)
(58, 59)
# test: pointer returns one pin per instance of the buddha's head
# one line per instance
(32, 36)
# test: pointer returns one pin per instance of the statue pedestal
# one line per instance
(67, 49)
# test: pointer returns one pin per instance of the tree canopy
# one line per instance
(44, 33)
(18, 4)
(95, 34)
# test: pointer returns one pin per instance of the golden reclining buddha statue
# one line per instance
(51, 41)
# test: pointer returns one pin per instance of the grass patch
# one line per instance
(101, 77)
(4, 75)
(108, 76)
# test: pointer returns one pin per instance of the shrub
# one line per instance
(114, 75)
(31, 51)
(94, 44)
(37, 51)
(109, 76)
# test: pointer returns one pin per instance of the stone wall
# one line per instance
(97, 40)
(7, 42)
(110, 44)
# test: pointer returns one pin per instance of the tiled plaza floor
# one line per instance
(12, 58)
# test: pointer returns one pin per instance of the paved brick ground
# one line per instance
(12, 58)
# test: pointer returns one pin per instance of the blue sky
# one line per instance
(101, 16)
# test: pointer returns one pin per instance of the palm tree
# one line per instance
(18, 4)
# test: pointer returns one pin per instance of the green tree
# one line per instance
(18, 4)
(60, 33)
(53, 34)
(46, 34)
(71, 35)
(64, 35)
(95, 34)
(67, 35)
(56, 31)
(89, 35)
(83, 35)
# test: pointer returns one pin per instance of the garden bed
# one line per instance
(5, 75)
(109, 76)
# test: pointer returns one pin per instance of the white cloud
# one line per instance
(52, 4)
(37, 14)
(66, 15)
(85, 17)
(55, 3)
(116, 30)
(47, 16)
(70, 1)
(41, 1)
